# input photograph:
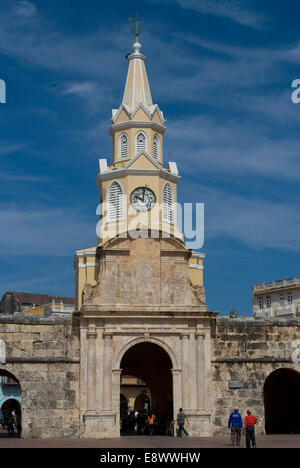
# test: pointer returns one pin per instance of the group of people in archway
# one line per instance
(10, 421)
(138, 422)
(143, 423)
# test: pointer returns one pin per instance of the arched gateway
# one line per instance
(152, 364)
(282, 402)
(160, 335)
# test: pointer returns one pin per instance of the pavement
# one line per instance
(144, 442)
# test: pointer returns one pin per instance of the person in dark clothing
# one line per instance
(235, 424)
(18, 424)
(132, 422)
(249, 424)
(9, 423)
(2, 420)
(141, 422)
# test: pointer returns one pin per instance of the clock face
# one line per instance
(142, 199)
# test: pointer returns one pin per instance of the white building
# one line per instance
(277, 298)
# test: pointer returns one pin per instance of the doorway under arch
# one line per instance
(151, 363)
(282, 403)
(10, 398)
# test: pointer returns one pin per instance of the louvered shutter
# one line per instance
(168, 210)
(156, 147)
(140, 142)
(115, 202)
(123, 146)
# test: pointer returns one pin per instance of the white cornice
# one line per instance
(195, 267)
(150, 112)
(136, 123)
(136, 55)
(124, 172)
(198, 255)
(85, 253)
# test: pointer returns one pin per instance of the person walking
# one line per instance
(249, 424)
(235, 424)
(2, 420)
(181, 418)
(151, 421)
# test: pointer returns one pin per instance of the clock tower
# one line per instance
(139, 292)
(137, 191)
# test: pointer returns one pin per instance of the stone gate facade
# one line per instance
(44, 355)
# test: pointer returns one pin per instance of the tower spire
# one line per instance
(137, 89)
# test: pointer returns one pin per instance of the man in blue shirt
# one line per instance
(235, 423)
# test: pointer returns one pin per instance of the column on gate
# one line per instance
(200, 363)
(107, 372)
(91, 368)
(185, 377)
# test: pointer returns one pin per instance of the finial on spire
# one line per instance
(136, 29)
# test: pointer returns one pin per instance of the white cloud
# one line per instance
(92, 95)
(233, 148)
(256, 222)
(24, 11)
(235, 10)
(37, 231)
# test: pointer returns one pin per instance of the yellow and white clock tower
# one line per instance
(139, 292)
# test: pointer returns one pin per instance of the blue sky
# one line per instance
(221, 71)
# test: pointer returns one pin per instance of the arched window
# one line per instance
(168, 200)
(156, 147)
(123, 146)
(115, 202)
(141, 142)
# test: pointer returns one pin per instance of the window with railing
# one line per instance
(131, 380)
(8, 380)
(269, 302)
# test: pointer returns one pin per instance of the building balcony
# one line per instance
(285, 310)
(263, 313)
(285, 283)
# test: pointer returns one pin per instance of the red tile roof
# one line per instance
(39, 299)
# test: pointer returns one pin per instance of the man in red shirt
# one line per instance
(249, 424)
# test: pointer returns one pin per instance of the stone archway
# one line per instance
(151, 363)
(282, 403)
(10, 397)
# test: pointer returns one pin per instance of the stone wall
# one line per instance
(43, 354)
(247, 351)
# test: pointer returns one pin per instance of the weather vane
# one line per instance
(137, 28)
